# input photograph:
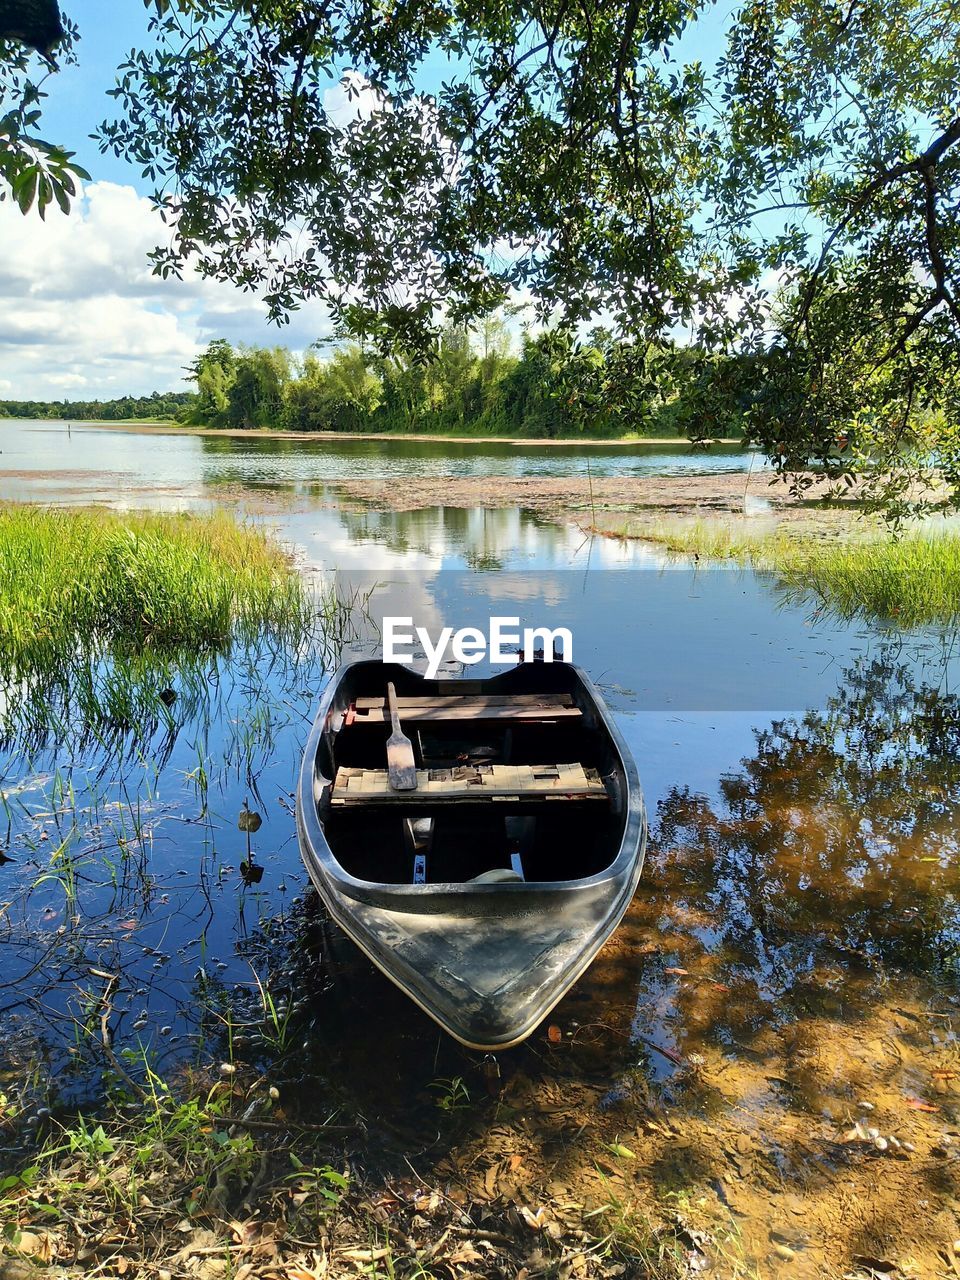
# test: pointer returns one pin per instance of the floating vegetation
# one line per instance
(911, 581)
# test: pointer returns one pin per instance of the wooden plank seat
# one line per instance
(466, 784)
(421, 709)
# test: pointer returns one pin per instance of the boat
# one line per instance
(487, 885)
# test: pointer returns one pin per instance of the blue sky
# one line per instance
(77, 100)
(81, 315)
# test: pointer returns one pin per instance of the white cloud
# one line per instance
(82, 315)
(352, 98)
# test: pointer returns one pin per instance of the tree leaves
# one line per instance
(792, 198)
(34, 173)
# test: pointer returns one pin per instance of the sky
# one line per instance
(81, 315)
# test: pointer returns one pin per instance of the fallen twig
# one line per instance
(277, 1126)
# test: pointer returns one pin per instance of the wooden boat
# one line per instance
(485, 892)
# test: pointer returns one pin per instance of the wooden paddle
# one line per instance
(401, 766)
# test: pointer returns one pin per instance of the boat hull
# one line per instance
(486, 961)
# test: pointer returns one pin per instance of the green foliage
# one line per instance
(158, 405)
(912, 581)
(33, 172)
(576, 155)
(557, 386)
(452, 1093)
(317, 1188)
(78, 582)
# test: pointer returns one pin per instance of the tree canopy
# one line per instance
(474, 384)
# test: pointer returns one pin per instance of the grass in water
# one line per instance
(72, 580)
(912, 581)
(100, 612)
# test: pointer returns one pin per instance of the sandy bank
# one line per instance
(423, 437)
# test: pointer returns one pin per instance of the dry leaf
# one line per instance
(429, 1202)
(248, 820)
(919, 1105)
(880, 1265)
(35, 1245)
(464, 1253)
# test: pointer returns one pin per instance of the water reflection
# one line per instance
(834, 846)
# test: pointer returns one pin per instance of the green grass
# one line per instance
(912, 581)
(76, 581)
(101, 612)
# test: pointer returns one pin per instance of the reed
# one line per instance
(910, 581)
(82, 581)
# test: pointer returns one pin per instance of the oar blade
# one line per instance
(401, 766)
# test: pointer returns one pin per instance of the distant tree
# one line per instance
(214, 372)
(255, 395)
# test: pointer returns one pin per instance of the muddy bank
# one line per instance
(607, 504)
(809, 1147)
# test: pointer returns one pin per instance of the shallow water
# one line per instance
(199, 466)
(791, 954)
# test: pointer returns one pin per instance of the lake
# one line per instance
(792, 951)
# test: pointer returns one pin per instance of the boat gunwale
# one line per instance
(434, 898)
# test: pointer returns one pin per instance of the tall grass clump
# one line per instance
(73, 581)
(99, 610)
(910, 581)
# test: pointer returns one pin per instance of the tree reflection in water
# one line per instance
(828, 868)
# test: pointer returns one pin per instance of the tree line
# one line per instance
(556, 386)
(160, 404)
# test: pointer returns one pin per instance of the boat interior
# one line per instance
(517, 780)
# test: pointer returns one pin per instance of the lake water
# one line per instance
(798, 916)
(201, 466)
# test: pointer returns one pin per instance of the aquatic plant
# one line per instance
(78, 581)
(911, 581)
(111, 622)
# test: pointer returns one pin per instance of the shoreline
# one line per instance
(422, 437)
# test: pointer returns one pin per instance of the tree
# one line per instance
(255, 393)
(214, 372)
(32, 171)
